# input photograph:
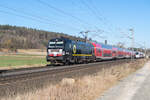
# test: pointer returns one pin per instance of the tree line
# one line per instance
(13, 37)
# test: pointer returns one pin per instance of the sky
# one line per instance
(109, 20)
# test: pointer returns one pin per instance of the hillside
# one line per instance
(13, 37)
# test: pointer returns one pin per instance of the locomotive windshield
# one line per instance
(56, 43)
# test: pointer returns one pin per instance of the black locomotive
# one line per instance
(66, 51)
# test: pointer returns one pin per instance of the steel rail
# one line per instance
(21, 75)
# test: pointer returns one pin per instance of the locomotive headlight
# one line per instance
(60, 50)
(63, 53)
(49, 51)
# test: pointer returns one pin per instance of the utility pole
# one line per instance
(145, 49)
(132, 37)
(106, 42)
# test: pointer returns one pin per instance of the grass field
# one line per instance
(21, 60)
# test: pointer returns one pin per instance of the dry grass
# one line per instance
(85, 88)
(33, 51)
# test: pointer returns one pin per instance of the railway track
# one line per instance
(24, 80)
(13, 76)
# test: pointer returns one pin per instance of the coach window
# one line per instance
(99, 50)
(114, 51)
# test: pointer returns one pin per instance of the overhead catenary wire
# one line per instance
(96, 11)
(91, 9)
(66, 13)
(85, 4)
(101, 17)
(97, 15)
(98, 31)
(22, 16)
(35, 17)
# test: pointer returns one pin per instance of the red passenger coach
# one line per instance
(103, 52)
(97, 50)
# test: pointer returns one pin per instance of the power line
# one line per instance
(94, 11)
(65, 13)
(35, 17)
(22, 16)
(98, 30)
(90, 8)
(81, 7)
(97, 12)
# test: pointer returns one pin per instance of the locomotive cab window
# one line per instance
(56, 43)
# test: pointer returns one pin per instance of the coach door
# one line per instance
(98, 52)
(114, 53)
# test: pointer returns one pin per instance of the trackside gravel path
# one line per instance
(134, 87)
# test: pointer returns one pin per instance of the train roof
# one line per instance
(73, 41)
(111, 47)
(94, 43)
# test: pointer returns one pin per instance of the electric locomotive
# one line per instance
(65, 51)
